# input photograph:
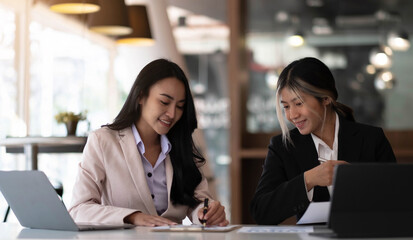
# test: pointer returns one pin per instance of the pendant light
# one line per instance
(112, 18)
(384, 80)
(399, 41)
(381, 57)
(296, 39)
(74, 6)
(139, 21)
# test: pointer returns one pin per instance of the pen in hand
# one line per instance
(205, 210)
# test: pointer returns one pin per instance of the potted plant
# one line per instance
(70, 119)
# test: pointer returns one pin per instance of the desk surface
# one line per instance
(15, 231)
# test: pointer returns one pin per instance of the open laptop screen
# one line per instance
(372, 200)
(36, 204)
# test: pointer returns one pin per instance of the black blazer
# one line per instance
(281, 191)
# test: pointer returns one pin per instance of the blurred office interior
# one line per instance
(232, 51)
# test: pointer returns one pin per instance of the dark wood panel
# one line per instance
(237, 80)
(402, 144)
(251, 172)
(256, 140)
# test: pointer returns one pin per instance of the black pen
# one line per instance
(203, 221)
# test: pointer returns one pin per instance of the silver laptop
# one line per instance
(36, 204)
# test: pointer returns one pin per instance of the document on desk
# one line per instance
(317, 212)
(277, 229)
(194, 228)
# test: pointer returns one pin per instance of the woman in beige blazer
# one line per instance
(144, 168)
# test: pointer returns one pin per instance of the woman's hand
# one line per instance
(321, 175)
(215, 214)
(142, 219)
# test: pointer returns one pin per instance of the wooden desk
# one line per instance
(15, 231)
(32, 146)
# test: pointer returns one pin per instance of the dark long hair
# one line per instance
(311, 76)
(185, 157)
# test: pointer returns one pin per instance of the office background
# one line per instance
(232, 51)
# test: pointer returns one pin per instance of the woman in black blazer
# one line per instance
(299, 165)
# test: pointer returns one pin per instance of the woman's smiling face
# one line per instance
(303, 110)
(163, 107)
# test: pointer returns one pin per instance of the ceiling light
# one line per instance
(370, 69)
(296, 40)
(271, 78)
(74, 6)
(384, 80)
(399, 41)
(381, 57)
(112, 19)
(139, 21)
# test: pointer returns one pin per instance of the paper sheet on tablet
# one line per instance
(194, 228)
(277, 229)
(317, 212)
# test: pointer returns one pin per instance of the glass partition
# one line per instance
(349, 38)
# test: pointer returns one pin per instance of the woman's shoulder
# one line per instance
(104, 131)
(366, 128)
(278, 141)
(106, 134)
(372, 132)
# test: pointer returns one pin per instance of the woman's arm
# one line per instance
(281, 192)
(143, 219)
(86, 203)
(384, 151)
(216, 213)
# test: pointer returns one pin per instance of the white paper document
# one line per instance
(317, 212)
(277, 229)
(194, 228)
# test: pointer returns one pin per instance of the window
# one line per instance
(9, 122)
(68, 73)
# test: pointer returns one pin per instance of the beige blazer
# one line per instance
(111, 182)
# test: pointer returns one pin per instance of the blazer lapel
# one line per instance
(305, 152)
(349, 143)
(307, 158)
(134, 162)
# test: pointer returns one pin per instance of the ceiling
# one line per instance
(216, 9)
(343, 16)
(366, 16)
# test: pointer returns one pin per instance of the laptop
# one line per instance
(36, 204)
(371, 200)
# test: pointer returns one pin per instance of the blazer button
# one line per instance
(153, 196)
(149, 174)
